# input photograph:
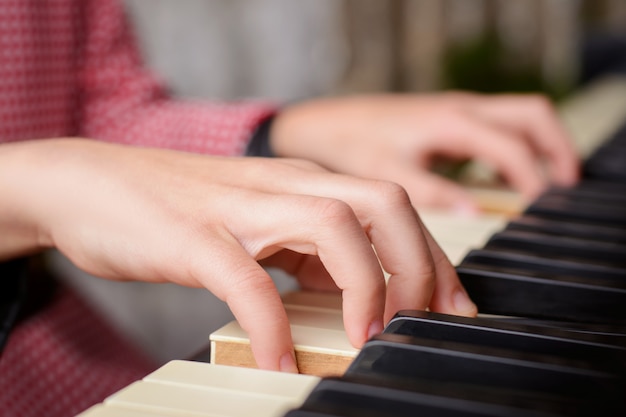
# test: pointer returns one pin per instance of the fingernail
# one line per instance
(288, 363)
(375, 328)
(463, 304)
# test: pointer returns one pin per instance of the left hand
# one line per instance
(122, 212)
(397, 138)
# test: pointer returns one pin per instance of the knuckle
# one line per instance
(391, 194)
(333, 210)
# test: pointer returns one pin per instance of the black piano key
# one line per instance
(607, 164)
(557, 227)
(595, 191)
(576, 299)
(406, 359)
(564, 247)
(536, 338)
(608, 161)
(541, 263)
(618, 136)
(564, 207)
(375, 397)
(519, 292)
(609, 334)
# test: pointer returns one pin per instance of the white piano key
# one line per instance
(204, 375)
(107, 410)
(327, 336)
(457, 235)
(184, 388)
(450, 228)
(186, 400)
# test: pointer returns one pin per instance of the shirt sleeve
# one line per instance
(125, 103)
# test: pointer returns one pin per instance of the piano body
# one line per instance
(552, 283)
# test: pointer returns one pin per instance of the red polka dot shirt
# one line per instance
(72, 68)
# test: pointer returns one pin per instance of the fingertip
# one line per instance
(568, 181)
(288, 363)
(267, 352)
(567, 177)
(463, 305)
(262, 316)
(358, 334)
(533, 188)
(376, 327)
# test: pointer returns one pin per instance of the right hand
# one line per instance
(126, 213)
(398, 137)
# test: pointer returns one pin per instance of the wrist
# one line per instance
(20, 199)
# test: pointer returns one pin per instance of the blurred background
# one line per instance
(288, 50)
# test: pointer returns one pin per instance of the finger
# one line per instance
(329, 229)
(384, 211)
(396, 233)
(233, 276)
(449, 295)
(534, 118)
(427, 189)
(513, 159)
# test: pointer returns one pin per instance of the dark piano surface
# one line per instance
(555, 282)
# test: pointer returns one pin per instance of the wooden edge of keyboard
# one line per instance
(497, 201)
(309, 362)
(320, 342)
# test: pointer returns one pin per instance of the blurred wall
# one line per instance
(279, 49)
(289, 50)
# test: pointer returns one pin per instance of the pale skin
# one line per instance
(396, 138)
(126, 213)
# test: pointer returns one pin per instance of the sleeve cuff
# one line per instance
(259, 144)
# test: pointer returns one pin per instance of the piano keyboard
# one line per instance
(554, 279)
(184, 388)
(321, 344)
(561, 352)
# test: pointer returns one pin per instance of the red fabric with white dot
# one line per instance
(71, 68)
(64, 359)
